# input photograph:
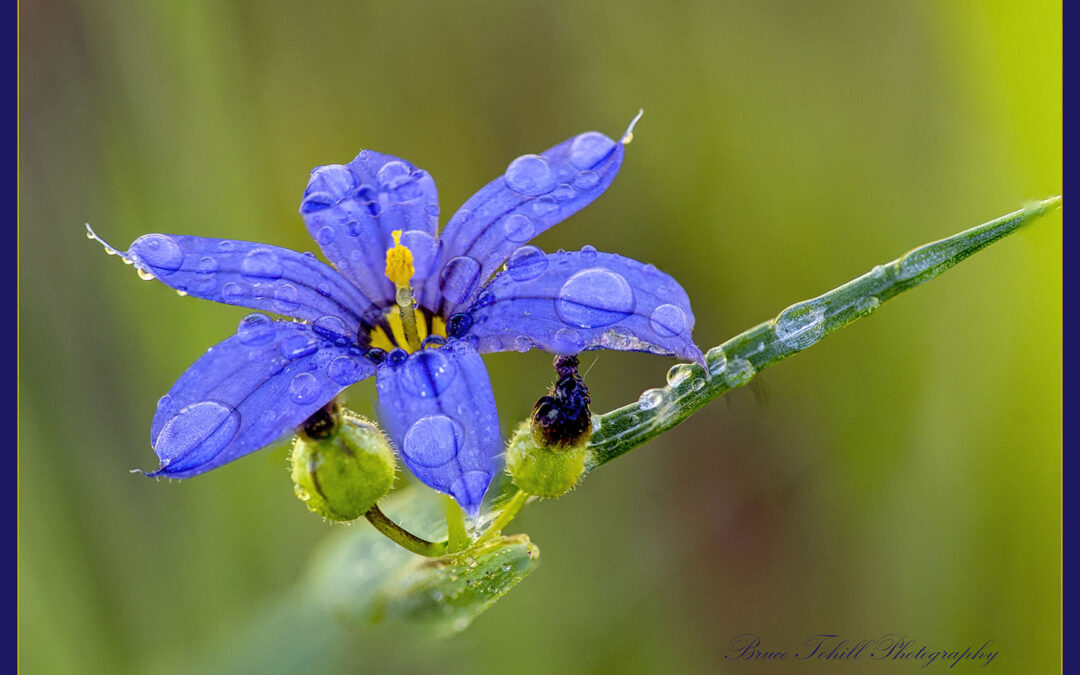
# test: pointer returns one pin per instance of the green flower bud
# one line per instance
(540, 469)
(341, 476)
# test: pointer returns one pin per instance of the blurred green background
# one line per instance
(903, 476)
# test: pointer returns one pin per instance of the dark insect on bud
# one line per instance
(562, 418)
(324, 422)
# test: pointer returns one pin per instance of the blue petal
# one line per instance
(248, 391)
(535, 192)
(351, 210)
(440, 412)
(570, 302)
(250, 274)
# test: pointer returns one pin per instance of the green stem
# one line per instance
(403, 537)
(735, 362)
(456, 535)
(509, 511)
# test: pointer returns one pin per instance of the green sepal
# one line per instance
(341, 477)
(447, 593)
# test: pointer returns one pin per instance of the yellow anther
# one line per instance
(399, 263)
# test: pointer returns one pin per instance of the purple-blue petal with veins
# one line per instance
(534, 193)
(247, 392)
(569, 302)
(352, 209)
(440, 412)
(250, 274)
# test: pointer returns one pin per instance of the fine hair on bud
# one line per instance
(344, 473)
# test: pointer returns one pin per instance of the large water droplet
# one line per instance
(528, 262)
(518, 228)
(433, 441)
(344, 370)
(459, 278)
(651, 398)
(800, 326)
(196, 434)
(678, 373)
(393, 174)
(299, 345)
(530, 175)
(427, 373)
(668, 321)
(716, 360)
(255, 330)
(594, 297)
(261, 263)
(286, 298)
(159, 252)
(588, 149)
(305, 388)
(333, 329)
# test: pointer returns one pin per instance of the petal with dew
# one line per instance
(440, 411)
(352, 209)
(571, 302)
(534, 193)
(250, 274)
(247, 392)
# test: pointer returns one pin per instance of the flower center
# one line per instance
(406, 332)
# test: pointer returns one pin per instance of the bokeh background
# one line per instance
(904, 476)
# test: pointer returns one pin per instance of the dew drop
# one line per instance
(304, 389)
(226, 246)
(522, 343)
(800, 326)
(568, 341)
(564, 192)
(867, 304)
(459, 279)
(255, 330)
(518, 228)
(651, 398)
(739, 372)
(299, 345)
(344, 370)
(396, 357)
(261, 263)
(589, 148)
(143, 274)
(207, 265)
(393, 174)
(196, 434)
(428, 373)
(698, 384)
(530, 175)
(232, 292)
(586, 180)
(286, 298)
(588, 252)
(668, 321)
(528, 262)
(333, 329)
(678, 373)
(544, 206)
(593, 298)
(425, 250)
(325, 235)
(716, 360)
(458, 325)
(432, 441)
(159, 252)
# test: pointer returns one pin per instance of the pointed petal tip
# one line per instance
(694, 354)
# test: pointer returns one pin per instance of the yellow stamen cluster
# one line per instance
(399, 262)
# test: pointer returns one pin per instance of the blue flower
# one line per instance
(376, 221)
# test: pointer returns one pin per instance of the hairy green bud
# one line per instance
(341, 476)
(541, 469)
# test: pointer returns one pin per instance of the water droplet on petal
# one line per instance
(459, 278)
(651, 398)
(226, 246)
(589, 148)
(158, 251)
(522, 343)
(428, 373)
(286, 298)
(530, 175)
(261, 263)
(143, 274)
(594, 297)
(528, 262)
(232, 292)
(325, 235)
(518, 228)
(396, 357)
(333, 329)
(564, 192)
(255, 329)
(568, 341)
(299, 345)
(393, 174)
(425, 250)
(545, 206)
(586, 180)
(305, 388)
(668, 321)
(433, 441)
(196, 434)
(588, 252)
(207, 265)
